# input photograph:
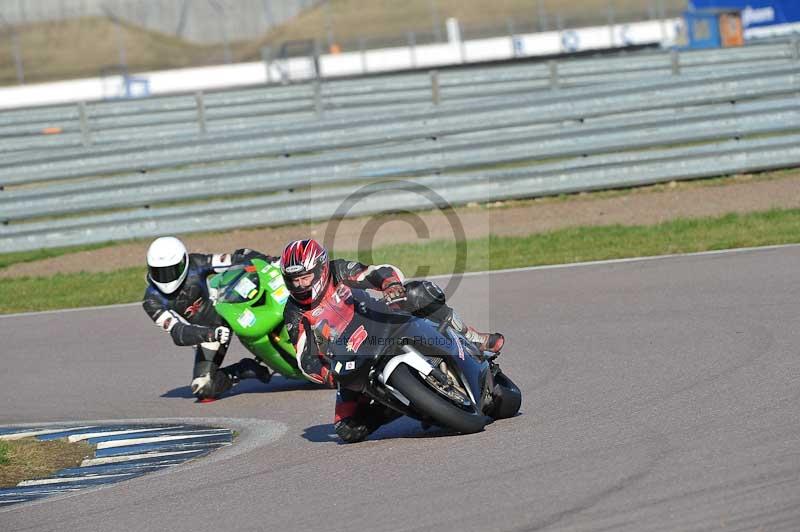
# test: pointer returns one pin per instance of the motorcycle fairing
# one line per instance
(257, 316)
(388, 331)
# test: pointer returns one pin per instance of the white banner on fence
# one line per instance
(661, 32)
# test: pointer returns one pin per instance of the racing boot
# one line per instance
(208, 382)
(366, 420)
(247, 368)
(491, 342)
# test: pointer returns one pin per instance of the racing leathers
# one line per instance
(301, 321)
(188, 316)
(355, 417)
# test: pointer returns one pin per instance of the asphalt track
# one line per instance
(660, 395)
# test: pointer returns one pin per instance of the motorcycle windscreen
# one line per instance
(239, 285)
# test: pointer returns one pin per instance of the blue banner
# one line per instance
(756, 13)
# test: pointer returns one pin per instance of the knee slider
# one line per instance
(208, 380)
(211, 385)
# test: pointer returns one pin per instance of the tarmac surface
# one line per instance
(659, 395)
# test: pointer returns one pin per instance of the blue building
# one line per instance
(760, 18)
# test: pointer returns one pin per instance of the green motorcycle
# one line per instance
(250, 297)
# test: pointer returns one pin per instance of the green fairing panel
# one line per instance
(251, 298)
(263, 349)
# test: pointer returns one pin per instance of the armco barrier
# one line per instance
(579, 104)
(643, 62)
(287, 103)
(444, 155)
(184, 124)
(310, 204)
(336, 121)
(725, 119)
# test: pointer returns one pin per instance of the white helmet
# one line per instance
(167, 263)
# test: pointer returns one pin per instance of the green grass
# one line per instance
(4, 448)
(29, 458)
(557, 247)
(72, 290)
(8, 259)
(603, 242)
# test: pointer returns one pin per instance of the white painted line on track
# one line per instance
(79, 309)
(494, 272)
(253, 434)
(131, 457)
(64, 480)
(618, 261)
(484, 272)
(156, 439)
(29, 434)
(87, 435)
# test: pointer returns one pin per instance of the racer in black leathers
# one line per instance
(355, 417)
(188, 315)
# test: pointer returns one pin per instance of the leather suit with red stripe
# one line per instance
(301, 321)
(310, 326)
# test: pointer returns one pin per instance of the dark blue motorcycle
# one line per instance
(419, 368)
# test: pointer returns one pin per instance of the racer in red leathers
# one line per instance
(313, 280)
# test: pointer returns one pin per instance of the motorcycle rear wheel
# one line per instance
(432, 405)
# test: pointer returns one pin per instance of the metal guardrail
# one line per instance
(341, 120)
(398, 83)
(442, 155)
(559, 168)
(291, 103)
(310, 204)
(610, 135)
(577, 104)
(178, 125)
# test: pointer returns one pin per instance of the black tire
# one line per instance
(507, 397)
(431, 404)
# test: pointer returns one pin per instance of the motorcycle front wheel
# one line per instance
(431, 404)
(507, 397)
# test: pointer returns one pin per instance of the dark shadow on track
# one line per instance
(405, 427)
(184, 392)
(276, 384)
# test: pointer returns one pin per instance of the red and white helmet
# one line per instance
(302, 257)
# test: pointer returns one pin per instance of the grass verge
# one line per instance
(74, 290)
(29, 458)
(7, 259)
(4, 448)
(779, 226)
